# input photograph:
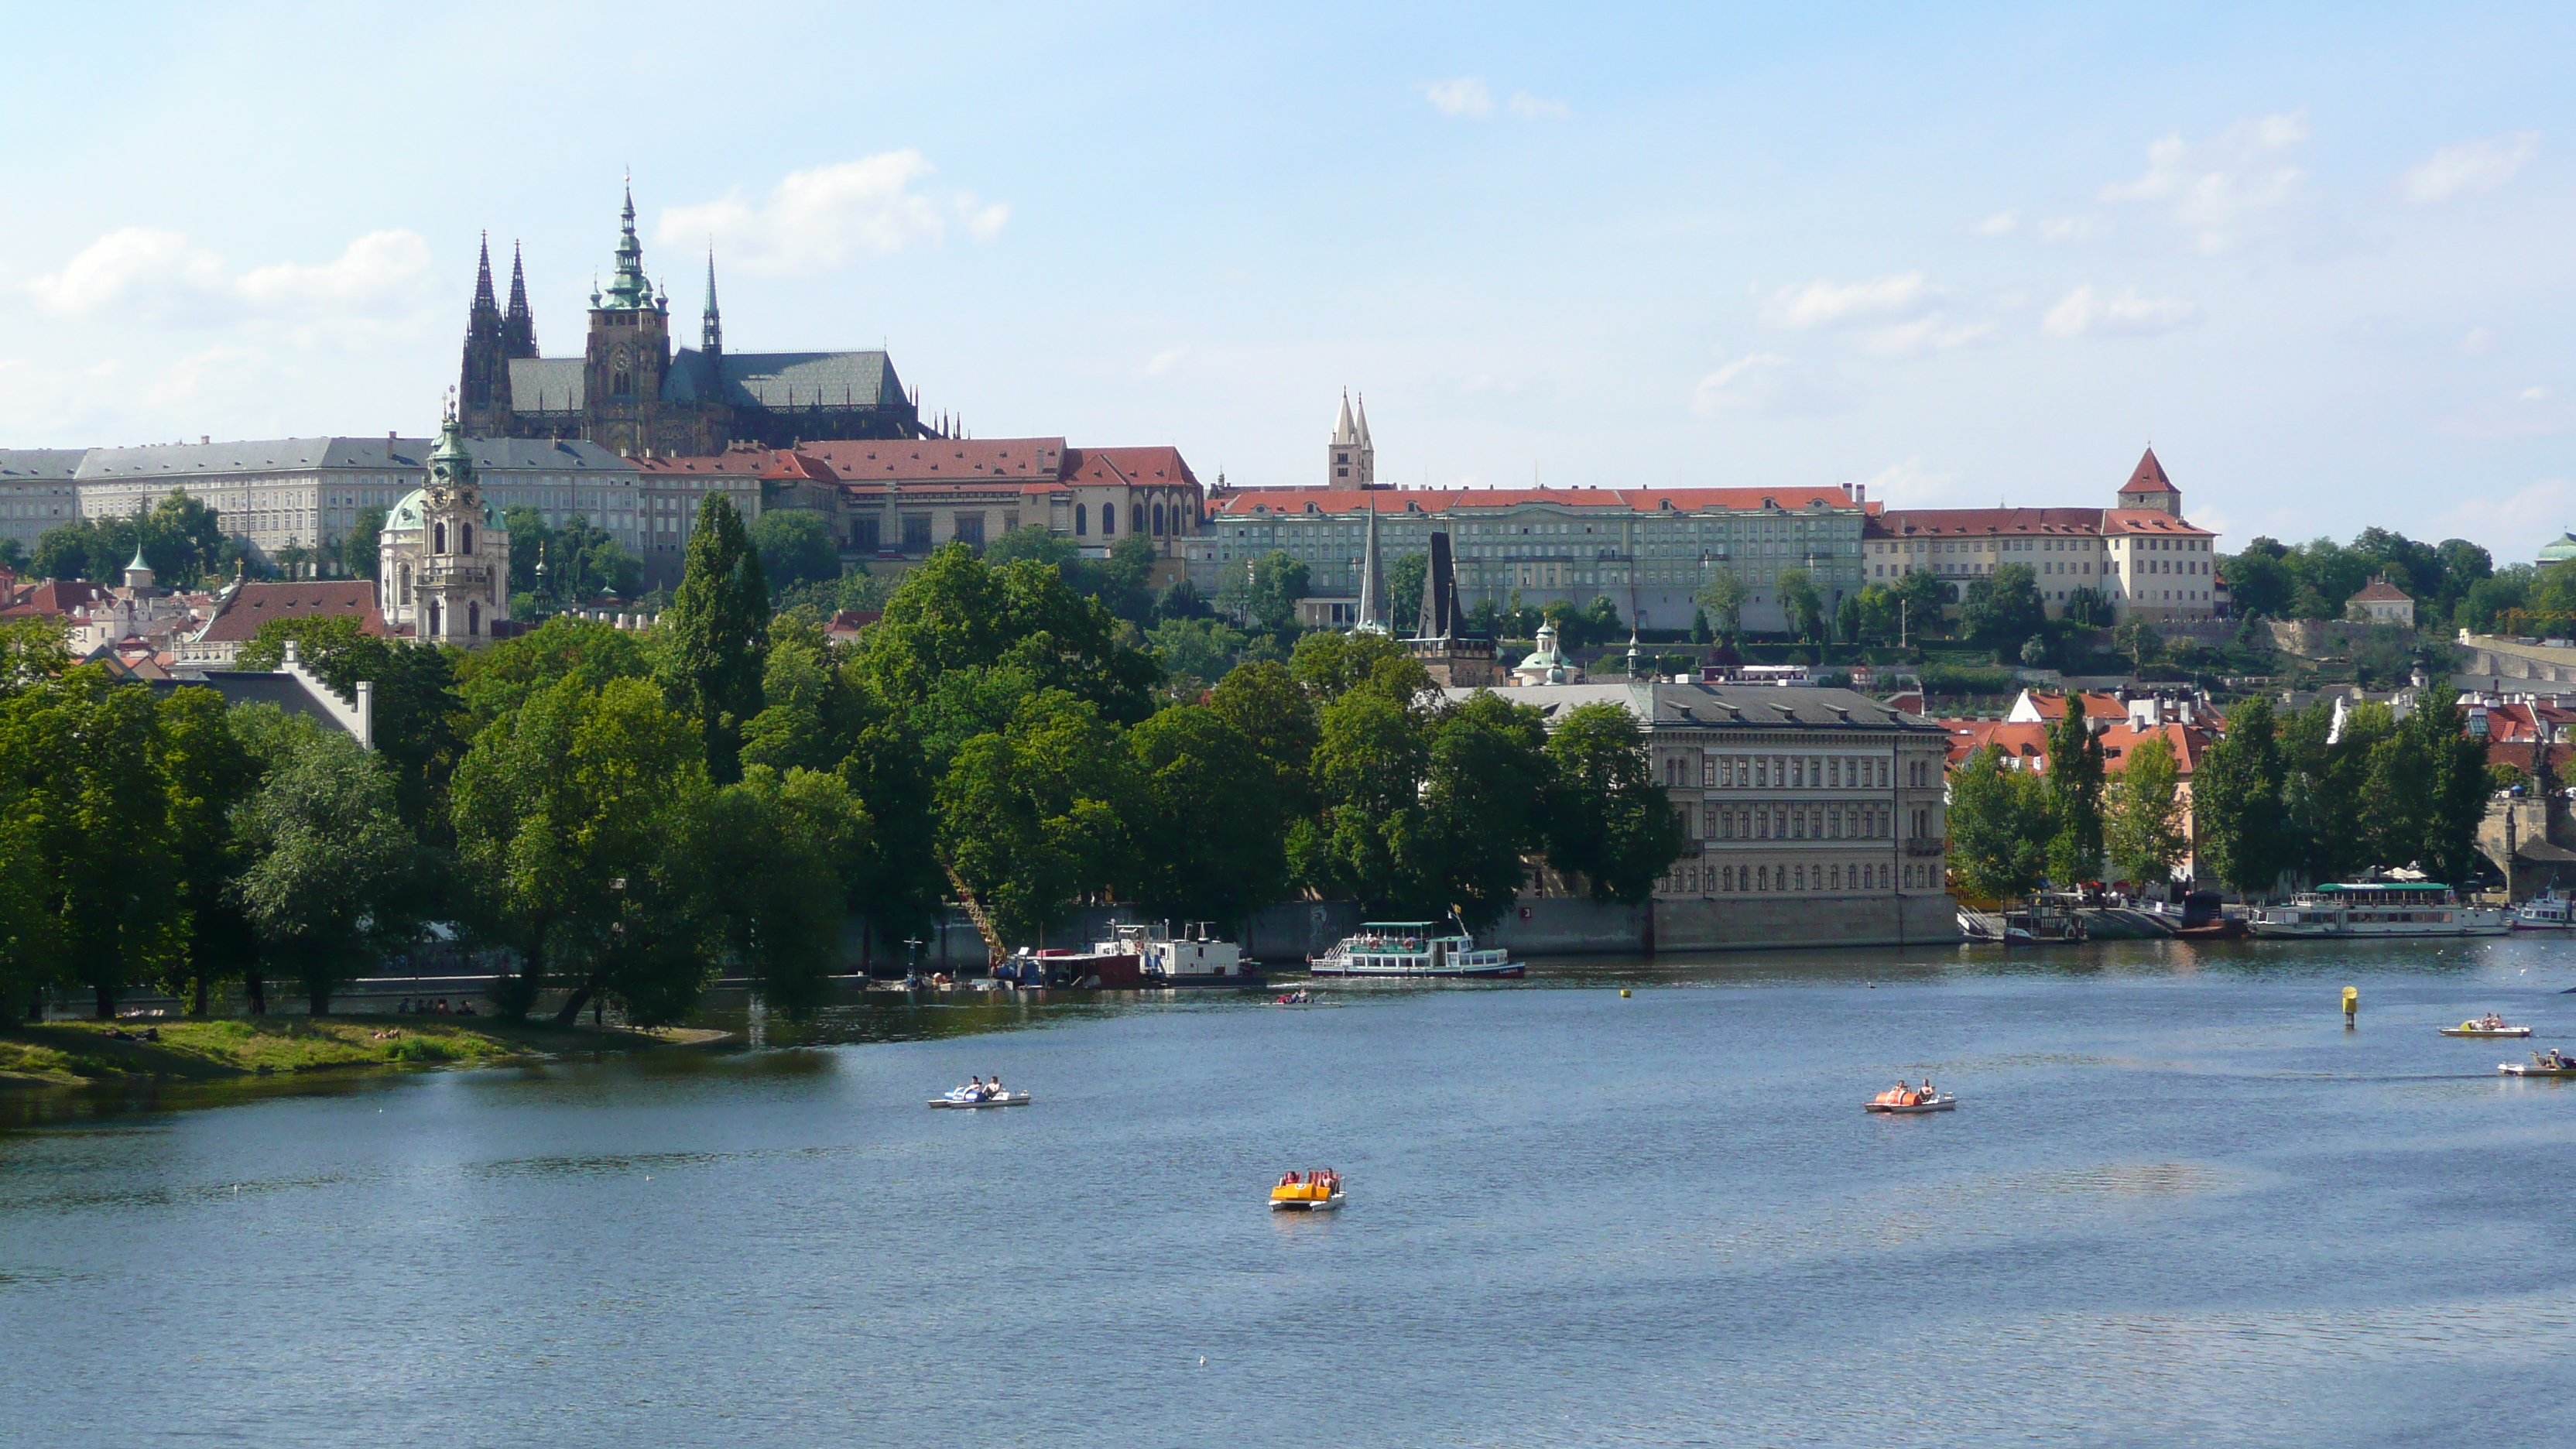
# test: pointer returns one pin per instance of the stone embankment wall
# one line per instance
(2503, 664)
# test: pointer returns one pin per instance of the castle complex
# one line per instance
(631, 393)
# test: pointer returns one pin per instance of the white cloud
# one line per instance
(2084, 312)
(159, 275)
(819, 219)
(2479, 342)
(1821, 303)
(1164, 361)
(1539, 108)
(2002, 223)
(1909, 482)
(1465, 96)
(2073, 228)
(2225, 190)
(2528, 515)
(1765, 384)
(1935, 333)
(2471, 166)
(2527, 412)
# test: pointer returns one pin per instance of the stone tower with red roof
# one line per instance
(2148, 487)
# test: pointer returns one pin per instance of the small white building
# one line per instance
(2381, 603)
(443, 558)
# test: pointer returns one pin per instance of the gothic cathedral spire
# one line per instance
(519, 324)
(711, 327)
(483, 383)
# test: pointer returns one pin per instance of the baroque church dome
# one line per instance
(415, 505)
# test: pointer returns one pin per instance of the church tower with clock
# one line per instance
(629, 351)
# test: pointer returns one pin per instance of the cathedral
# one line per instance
(631, 392)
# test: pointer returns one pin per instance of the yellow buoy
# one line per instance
(2351, 1003)
(1623, 991)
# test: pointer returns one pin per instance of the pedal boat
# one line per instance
(1306, 1197)
(1909, 1103)
(2475, 1028)
(2551, 1063)
(966, 1097)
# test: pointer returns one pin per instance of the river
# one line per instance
(2179, 1204)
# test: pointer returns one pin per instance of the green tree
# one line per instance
(31, 650)
(1483, 812)
(1404, 592)
(1200, 649)
(1035, 816)
(92, 823)
(572, 819)
(63, 552)
(1724, 596)
(2000, 826)
(2002, 609)
(495, 680)
(717, 635)
(359, 555)
(796, 546)
(1800, 605)
(1372, 752)
(1211, 839)
(2075, 788)
(207, 773)
(1033, 541)
(416, 716)
(1265, 702)
(1607, 820)
(327, 859)
(2138, 639)
(2144, 820)
(769, 859)
(1921, 596)
(1330, 664)
(2236, 800)
(2087, 608)
(1265, 591)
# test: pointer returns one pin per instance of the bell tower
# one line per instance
(629, 351)
(483, 385)
(1354, 458)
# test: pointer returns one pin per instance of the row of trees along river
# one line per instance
(2273, 799)
(630, 813)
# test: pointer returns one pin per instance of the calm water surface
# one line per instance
(2179, 1205)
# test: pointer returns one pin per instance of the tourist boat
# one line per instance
(1319, 1191)
(2549, 911)
(1904, 1101)
(1413, 949)
(2491, 1025)
(969, 1098)
(1144, 957)
(2378, 908)
(2550, 1063)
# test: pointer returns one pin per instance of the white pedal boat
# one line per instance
(2551, 1063)
(1893, 1105)
(2479, 1028)
(969, 1100)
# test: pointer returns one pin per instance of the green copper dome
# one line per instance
(414, 510)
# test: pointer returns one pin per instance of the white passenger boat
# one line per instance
(2378, 908)
(2547, 912)
(1413, 949)
(2550, 1063)
(969, 1099)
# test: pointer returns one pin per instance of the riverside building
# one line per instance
(1813, 817)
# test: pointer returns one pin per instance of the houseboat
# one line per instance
(1142, 957)
(2378, 908)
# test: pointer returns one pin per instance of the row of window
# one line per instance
(1796, 822)
(1724, 879)
(1140, 519)
(1737, 772)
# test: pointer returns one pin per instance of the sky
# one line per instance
(2318, 257)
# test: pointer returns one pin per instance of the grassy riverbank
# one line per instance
(67, 1052)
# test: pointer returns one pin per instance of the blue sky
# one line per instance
(2320, 257)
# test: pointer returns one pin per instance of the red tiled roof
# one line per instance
(1137, 467)
(1441, 500)
(1921, 522)
(2096, 706)
(2149, 477)
(255, 604)
(2518, 755)
(2384, 591)
(2025, 742)
(739, 463)
(943, 460)
(2149, 521)
(58, 597)
(2186, 741)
